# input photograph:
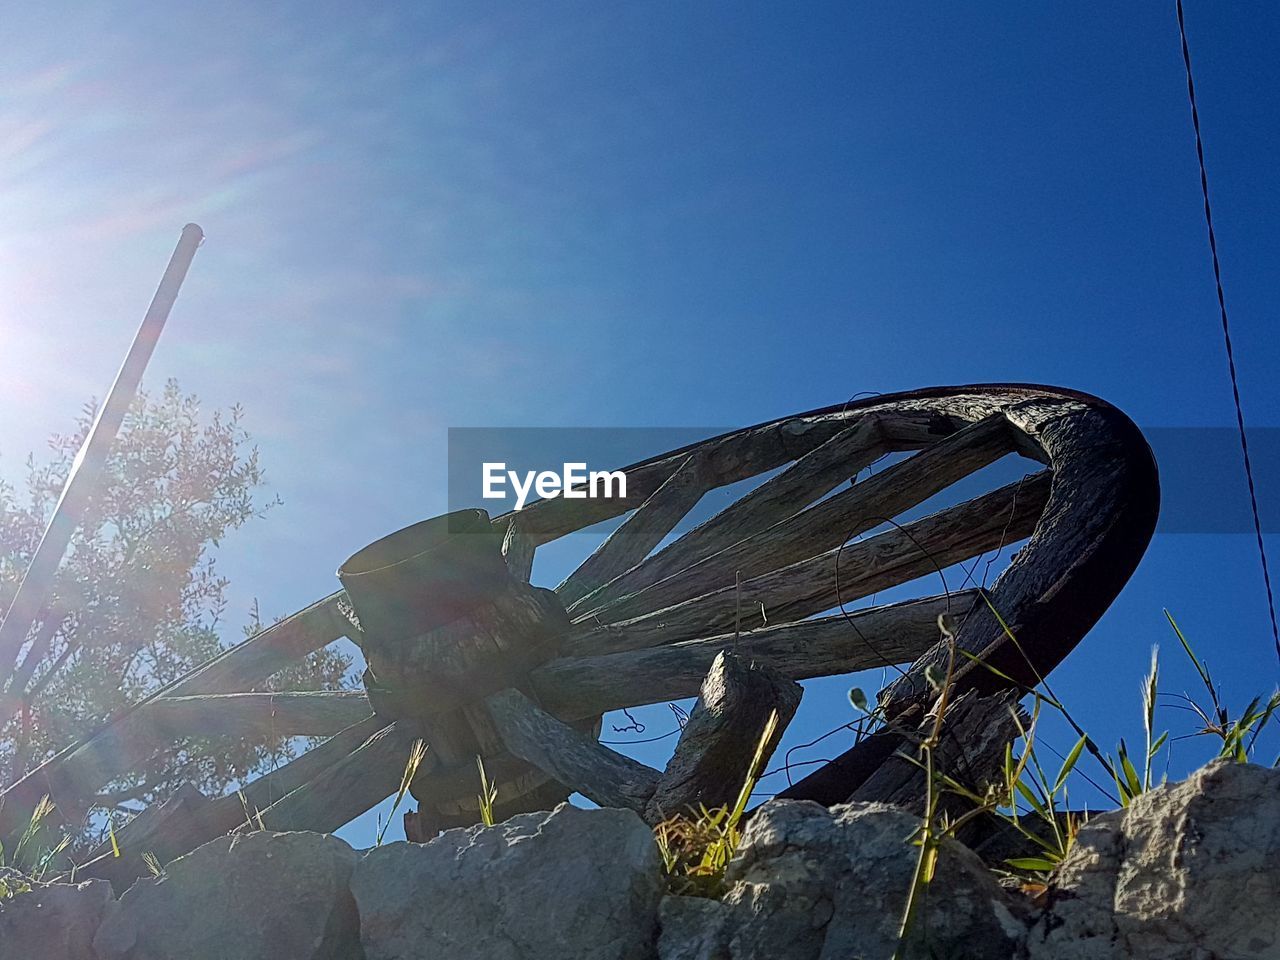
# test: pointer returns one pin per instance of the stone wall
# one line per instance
(1187, 871)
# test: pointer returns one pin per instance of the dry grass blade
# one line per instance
(488, 795)
(417, 753)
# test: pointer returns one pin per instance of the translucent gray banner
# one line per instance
(1202, 480)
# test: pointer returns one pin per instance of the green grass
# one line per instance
(34, 852)
(696, 849)
(1034, 801)
(488, 795)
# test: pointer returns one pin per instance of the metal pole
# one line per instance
(87, 467)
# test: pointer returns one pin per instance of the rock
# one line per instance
(810, 883)
(256, 896)
(1186, 872)
(693, 928)
(53, 921)
(580, 884)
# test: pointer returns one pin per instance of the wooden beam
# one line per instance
(792, 593)
(177, 827)
(571, 687)
(345, 789)
(717, 746)
(829, 523)
(570, 757)
(638, 534)
(287, 714)
(267, 652)
(147, 833)
(1096, 523)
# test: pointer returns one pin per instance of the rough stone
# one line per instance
(693, 928)
(53, 921)
(1186, 872)
(256, 896)
(581, 884)
(816, 884)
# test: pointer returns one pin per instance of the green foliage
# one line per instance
(139, 600)
(1237, 736)
(1036, 804)
(12, 883)
(697, 849)
(1025, 785)
(933, 828)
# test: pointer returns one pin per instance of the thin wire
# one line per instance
(786, 757)
(1226, 329)
(635, 726)
(986, 571)
(624, 743)
(840, 600)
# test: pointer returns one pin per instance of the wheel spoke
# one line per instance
(808, 587)
(830, 523)
(288, 714)
(880, 636)
(570, 757)
(639, 534)
(812, 476)
(73, 777)
(346, 788)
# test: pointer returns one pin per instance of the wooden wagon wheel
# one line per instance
(522, 675)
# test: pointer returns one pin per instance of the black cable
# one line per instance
(1226, 330)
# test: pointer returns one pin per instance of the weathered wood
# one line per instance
(638, 534)
(171, 829)
(1099, 514)
(425, 824)
(286, 714)
(729, 458)
(1097, 522)
(73, 776)
(812, 476)
(803, 589)
(449, 788)
(829, 646)
(719, 742)
(270, 650)
(344, 790)
(829, 523)
(464, 660)
(518, 549)
(149, 833)
(971, 750)
(571, 758)
(455, 785)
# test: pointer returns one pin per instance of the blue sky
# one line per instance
(433, 215)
